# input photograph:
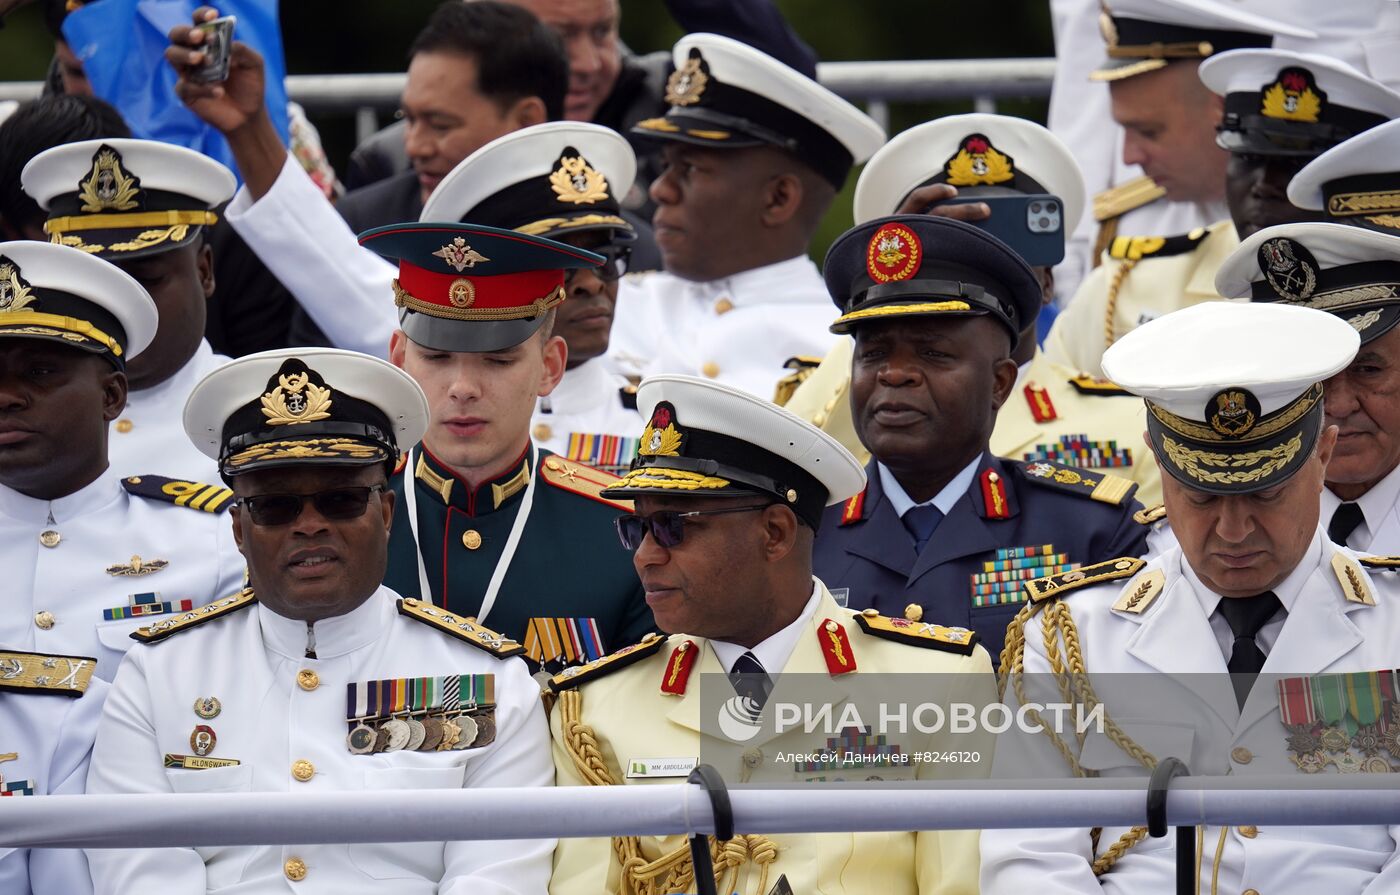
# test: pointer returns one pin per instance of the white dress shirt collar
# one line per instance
(1376, 504)
(770, 284)
(333, 636)
(773, 653)
(944, 500)
(105, 489)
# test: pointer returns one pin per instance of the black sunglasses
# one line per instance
(666, 526)
(333, 503)
(616, 259)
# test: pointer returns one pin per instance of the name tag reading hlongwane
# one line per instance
(197, 762)
(660, 767)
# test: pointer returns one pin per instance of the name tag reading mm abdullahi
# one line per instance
(660, 767)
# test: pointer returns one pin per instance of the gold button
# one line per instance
(308, 679)
(543, 432)
(1250, 892)
(724, 306)
(1249, 832)
(914, 612)
(44, 619)
(471, 539)
(711, 369)
(124, 426)
(552, 463)
(134, 480)
(303, 770)
(819, 420)
(50, 538)
(1241, 755)
(295, 869)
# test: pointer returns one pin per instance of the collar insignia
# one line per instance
(1289, 267)
(1233, 412)
(109, 186)
(15, 293)
(460, 256)
(296, 400)
(575, 181)
(978, 163)
(687, 83)
(661, 438)
(894, 253)
(1293, 97)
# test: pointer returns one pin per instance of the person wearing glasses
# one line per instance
(494, 526)
(730, 491)
(90, 552)
(316, 677)
(556, 180)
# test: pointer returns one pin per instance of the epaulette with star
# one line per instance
(1093, 385)
(576, 675)
(578, 478)
(186, 620)
(1135, 248)
(1039, 589)
(45, 674)
(1100, 486)
(923, 634)
(461, 627)
(1380, 563)
(191, 495)
(1150, 515)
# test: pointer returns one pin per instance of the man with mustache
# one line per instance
(945, 530)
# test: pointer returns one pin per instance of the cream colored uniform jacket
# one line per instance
(1153, 287)
(1162, 677)
(739, 330)
(55, 597)
(632, 719)
(824, 400)
(250, 661)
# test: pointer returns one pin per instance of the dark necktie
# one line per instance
(1245, 616)
(751, 680)
(1344, 521)
(920, 521)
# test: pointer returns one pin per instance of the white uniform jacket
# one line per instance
(1161, 675)
(151, 428)
(276, 719)
(588, 418)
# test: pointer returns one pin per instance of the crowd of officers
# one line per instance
(497, 529)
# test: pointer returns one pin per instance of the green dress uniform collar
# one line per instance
(436, 480)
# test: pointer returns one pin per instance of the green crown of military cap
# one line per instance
(548, 180)
(704, 439)
(1145, 35)
(58, 294)
(122, 198)
(468, 287)
(1356, 182)
(1279, 102)
(295, 406)
(724, 94)
(917, 265)
(1347, 271)
(1233, 390)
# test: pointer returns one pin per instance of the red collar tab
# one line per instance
(996, 504)
(678, 668)
(853, 510)
(1042, 408)
(836, 648)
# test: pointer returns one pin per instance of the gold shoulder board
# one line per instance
(186, 620)
(1092, 385)
(1135, 248)
(573, 676)
(929, 636)
(1382, 563)
(461, 627)
(1140, 593)
(45, 673)
(1123, 198)
(1039, 589)
(191, 495)
(802, 368)
(1100, 486)
(1150, 515)
(1353, 581)
(571, 475)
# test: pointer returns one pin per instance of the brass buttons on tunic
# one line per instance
(44, 619)
(303, 770)
(471, 539)
(1241, 755)
(308, 679)
(50, 538)
(542, 432)
(295, 869)
(724, 306)
(124, 426)
(710, 369)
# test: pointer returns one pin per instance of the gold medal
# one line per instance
(451, 733)
(208, 707)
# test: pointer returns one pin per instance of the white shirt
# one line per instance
(149, 436)
(773, 653)
(68, 586)
(1379, 531)
(586, 404)
(1287, 592)
(250, 661)
(52, 734)
(739, 330)
(902, 503)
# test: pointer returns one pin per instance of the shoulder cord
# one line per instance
(1119, 276)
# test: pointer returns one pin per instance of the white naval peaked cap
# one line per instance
(1233, 389)
(243, 413)
(160, 166)
(706, 439)
(60, 294)
(1356, 182)
(726, 94)
(1351, 272)
(1040, 162)
(513, 182)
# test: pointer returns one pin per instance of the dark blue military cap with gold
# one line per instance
(922, 266)
(294, 406)
(121, 199)
(466, 287)
(1146, 35)
(57, 294)
(1233, 390)
(724, 94)
(1356, 182)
